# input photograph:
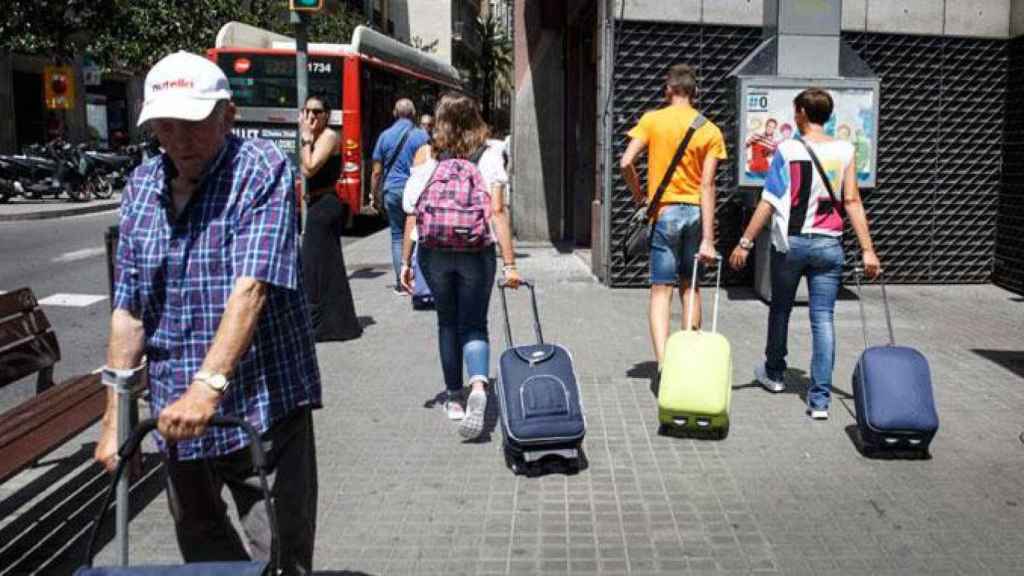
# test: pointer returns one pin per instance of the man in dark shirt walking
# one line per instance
(392, 162)
(209, 289)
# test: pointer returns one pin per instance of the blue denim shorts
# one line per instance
(676, 240)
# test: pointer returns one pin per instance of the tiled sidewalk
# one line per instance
(400, 493)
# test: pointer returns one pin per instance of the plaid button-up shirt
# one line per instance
(176, 275)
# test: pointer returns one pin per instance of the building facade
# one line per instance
(948, 206)
(448, 25)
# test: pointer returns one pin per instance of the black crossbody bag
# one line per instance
(837, 204)
(641, 224)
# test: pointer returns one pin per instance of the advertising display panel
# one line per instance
(766, 119)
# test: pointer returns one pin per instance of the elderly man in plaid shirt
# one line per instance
(209, 289)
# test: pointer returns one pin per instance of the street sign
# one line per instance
(308, 6)
(59, 87)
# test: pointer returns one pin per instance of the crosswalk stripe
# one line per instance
(72, 300)
(80, 254)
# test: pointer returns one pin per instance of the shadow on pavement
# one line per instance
(647, 370)
(797, 383)
(50, 536)
(365, 321)
(1012, 360)
(368, 273)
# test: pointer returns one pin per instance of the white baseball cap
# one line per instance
(183, 86)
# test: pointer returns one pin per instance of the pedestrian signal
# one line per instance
(306, 5)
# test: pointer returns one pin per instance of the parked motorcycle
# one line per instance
(6, 181)
(49, 170)
(108, 171)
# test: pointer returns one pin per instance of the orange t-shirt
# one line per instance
(662, 130)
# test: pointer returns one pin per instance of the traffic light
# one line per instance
(306, 5)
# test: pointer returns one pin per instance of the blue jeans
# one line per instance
(675, 242)
(461, 283)
(820, 258)
(396, 220)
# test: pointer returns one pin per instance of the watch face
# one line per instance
(218, 382)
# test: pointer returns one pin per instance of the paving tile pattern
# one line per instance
(401, 493)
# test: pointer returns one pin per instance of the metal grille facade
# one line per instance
(933, 213)
(1009, 264)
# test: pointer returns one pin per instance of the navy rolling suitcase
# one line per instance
(892, 389)
(541, 411)
(422, 299)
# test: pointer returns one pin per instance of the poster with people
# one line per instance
(768, 120)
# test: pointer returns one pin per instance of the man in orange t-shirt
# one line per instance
(685, 224)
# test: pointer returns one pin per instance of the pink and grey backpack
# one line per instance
(454, 210)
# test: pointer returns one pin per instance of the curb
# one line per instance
(61, 213)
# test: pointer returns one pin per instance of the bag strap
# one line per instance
(824, 177)
(395, 153)
(652, 208)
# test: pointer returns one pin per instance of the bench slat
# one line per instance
(20, 300)
(21, 326)
(41, 440)
(47, 408)
(28, 358)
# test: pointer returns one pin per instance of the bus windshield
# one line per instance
(268, 80)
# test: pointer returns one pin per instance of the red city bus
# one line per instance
(360, 81)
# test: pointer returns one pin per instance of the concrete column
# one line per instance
(8, 132)
(1017, 18)
(539, 122)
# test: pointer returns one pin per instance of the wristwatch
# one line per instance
(217, 382)
(745, 243)
(307, 142)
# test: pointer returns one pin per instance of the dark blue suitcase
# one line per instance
(422, 299)
(541, 410)
(892, 388)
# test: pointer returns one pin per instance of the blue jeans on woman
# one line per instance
(820, 258)
(461, 283)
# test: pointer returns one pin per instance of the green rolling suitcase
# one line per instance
(696, 379)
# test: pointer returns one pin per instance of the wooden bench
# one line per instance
(56, 413)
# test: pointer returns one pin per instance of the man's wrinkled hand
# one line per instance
(189, 416)
(106, 447)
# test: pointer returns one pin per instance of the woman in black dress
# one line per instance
(323, 266)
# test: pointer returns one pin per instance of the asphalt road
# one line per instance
(67, 256)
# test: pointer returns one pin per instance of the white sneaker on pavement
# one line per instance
(818, 413)
(762, 378)
(473, 424)
(454, 410)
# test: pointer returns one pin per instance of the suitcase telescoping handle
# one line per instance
(127, 450)
(858, 274)
(502, 286)
(718, 289)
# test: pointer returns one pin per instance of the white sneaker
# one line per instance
(818, 414)
(454, 410)
(473, 424)
(770, 385)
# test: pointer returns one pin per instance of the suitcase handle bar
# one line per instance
(128, 449)
(693, 285)
(502, 285)
(858, 274)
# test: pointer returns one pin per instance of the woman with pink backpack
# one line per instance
(455, 206)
